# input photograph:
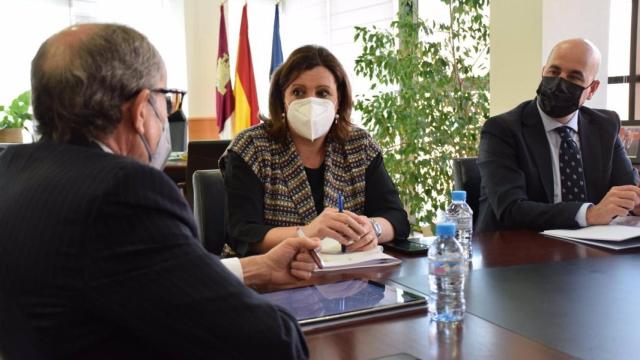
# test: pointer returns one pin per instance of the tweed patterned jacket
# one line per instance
(288, 200)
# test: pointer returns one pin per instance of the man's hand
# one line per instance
(617, 202)
(285, 264)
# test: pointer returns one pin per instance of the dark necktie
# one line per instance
(571, 175)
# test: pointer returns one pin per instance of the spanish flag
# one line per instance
(246, 113)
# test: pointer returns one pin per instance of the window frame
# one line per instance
(632, 78)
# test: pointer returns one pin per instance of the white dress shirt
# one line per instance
(232, 264)
(550, 124)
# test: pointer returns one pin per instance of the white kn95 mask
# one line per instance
(311, 117)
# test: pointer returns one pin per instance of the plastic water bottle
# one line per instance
(459, 213)
(446, 275)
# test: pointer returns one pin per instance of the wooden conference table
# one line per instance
(528, 297)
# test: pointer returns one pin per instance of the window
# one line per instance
(623, 87)
(24, 26)
(32, 21)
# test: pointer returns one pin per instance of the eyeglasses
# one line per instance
(174, 98)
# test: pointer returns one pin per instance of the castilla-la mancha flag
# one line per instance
(225, 101)
(246, 113)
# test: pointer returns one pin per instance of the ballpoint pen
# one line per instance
(343, 248)
(313, 253)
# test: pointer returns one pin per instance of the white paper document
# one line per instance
(622, 233)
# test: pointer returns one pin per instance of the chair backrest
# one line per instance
(3, 147)
(209, 207)
(466, 176)
(202, 155)
(178, 132)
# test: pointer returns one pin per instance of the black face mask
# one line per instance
(558, 97)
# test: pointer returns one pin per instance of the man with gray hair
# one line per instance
(99, 250)
(552, 162)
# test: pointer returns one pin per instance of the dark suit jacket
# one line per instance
(517, 174)
(100, 253)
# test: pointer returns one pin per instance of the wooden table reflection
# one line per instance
(475, 338)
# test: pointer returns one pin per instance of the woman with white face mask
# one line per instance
(300, 167)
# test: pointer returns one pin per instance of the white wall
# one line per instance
(516, 50)
(579, 18)
(202, 21)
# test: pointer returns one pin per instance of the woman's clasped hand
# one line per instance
(353, 231)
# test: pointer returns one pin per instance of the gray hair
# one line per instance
(78, 88)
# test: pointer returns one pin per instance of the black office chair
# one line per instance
(209, 207)
(3, 147)
(466, 176)
(178, 132)
(202, 155)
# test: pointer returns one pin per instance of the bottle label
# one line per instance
(462, 223)
(446, 267)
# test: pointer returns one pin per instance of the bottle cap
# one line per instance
(446, 229)
(459, 195)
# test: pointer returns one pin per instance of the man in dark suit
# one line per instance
(98, 250)
(551, 162)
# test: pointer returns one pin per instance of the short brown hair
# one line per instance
(304, 59)
(78, 90)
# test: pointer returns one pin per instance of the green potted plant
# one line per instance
(428, 98)
(13, 118)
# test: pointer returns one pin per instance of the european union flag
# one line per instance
(276, 46)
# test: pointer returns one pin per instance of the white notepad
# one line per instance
(357, 259)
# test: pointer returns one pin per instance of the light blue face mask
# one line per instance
(159, 159)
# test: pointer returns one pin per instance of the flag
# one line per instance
(276, 45)
(245, 86)
(224, 94)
